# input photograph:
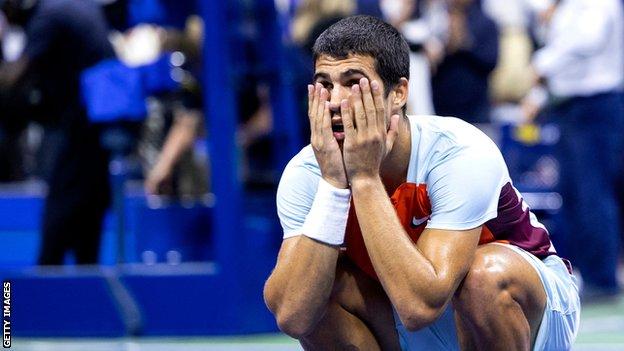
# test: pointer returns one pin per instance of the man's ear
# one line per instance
(398, 95)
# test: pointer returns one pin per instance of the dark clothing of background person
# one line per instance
(63, 38)
(589, 154)
(460, 83)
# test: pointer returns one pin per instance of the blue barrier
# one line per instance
(183, 229)
(61, 302)
(160, 300)
(170, 299)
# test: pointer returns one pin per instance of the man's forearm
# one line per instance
(180, 138)
(299, 288)
(407, 276)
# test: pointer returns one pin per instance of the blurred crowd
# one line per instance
(489, 62)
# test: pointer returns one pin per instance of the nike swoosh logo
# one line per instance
(418, 221)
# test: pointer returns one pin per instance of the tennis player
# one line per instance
(406, 232)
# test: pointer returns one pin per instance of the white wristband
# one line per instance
(327, 219)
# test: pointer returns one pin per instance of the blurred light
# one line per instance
(187, 201)
(528, 134)
(34, 98)
(177, 74)
(543, 201)
(208, 200)
(550, 134)
(177, 59)
(116, 167)
(149, 257)
(174, 257)
(154, 202)
(540, 5)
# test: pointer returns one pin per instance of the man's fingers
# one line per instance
(369, 103)
(311, 110)
(393, 132)
(379, 105)
(358, 109)
(319, 95)
(321, 110)
(314, 106)
(347, 119)
(310, 98)
(326, 121)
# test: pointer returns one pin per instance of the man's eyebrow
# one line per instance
(353, 71)
(320, 75)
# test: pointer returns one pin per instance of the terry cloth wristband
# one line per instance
(327, 219)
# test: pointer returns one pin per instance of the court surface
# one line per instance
(602, 328)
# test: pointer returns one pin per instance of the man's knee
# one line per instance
(487, 281)
(501, 287)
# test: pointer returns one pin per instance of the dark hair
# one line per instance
(367, 35)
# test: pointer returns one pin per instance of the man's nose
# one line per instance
(337, 95)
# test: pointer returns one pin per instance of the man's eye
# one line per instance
(353, 81)
(327, 85)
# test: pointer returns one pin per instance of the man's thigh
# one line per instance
(359, 315)
(500, 302)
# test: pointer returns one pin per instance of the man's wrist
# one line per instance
(365, 183)
(327, 220)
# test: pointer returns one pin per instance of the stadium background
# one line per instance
(186, 272)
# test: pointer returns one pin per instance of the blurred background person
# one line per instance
(175, 117)
(63, 37)
(521, 30)
(424, 26)
(581, 67)
(460, 79)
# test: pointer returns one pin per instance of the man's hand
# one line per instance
(324, 144)
(158, 180)
(367, 139)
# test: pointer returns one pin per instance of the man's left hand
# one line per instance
(367, 137)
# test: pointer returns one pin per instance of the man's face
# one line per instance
(337, 76)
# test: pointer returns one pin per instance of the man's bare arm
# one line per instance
(298, 290)
(420, 279)
(179, 140)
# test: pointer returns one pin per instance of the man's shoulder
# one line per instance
(449, 132)
(299, 180)
(450, 143)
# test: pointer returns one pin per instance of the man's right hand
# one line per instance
(325, 146)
